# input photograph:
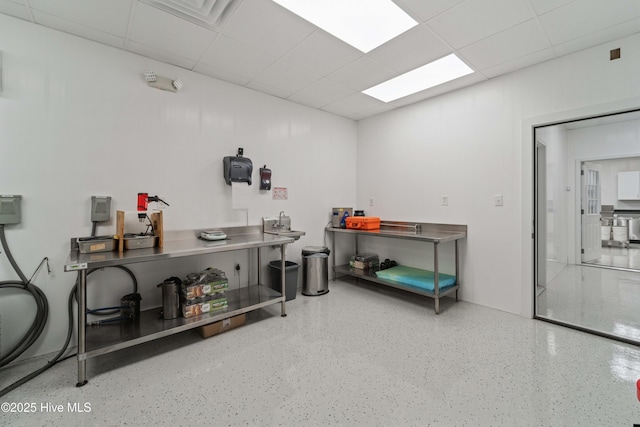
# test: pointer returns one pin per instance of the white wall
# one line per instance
(609, 176)
(477, 142)
(77, 119)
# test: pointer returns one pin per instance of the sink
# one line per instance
(287, 233)
(280, 226)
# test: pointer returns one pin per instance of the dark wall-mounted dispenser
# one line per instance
(238, 168)
(265, 178)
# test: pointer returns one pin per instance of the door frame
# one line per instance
(540, 206)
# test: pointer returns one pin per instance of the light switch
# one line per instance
(498, 200)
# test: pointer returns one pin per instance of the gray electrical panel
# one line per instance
(10, 212)
(100, 208)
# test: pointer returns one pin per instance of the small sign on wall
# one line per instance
(280, 193)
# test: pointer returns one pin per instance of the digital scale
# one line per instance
(213, 235)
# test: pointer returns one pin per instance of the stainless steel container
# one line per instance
(139, 242)
(315, 270)
(170, 298)
(89, 245)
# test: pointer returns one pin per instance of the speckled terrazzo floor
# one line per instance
(358, 356)
(600, 299)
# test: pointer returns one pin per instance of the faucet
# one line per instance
(280, 219)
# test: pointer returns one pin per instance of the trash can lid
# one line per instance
(318, 255)
(309, 250)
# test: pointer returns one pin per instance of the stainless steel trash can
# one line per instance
(315, 270)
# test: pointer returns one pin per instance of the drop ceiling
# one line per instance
(260, 45)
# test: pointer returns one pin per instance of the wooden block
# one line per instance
(157, 222)
(120, 230)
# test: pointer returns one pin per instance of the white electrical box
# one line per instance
(10, 212)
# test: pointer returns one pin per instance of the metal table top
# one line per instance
(178, 244)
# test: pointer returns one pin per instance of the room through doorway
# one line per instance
(586, 276)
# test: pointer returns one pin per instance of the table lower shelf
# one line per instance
(149, 326)
(370, 275)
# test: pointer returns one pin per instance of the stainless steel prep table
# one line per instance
(423, 232)
(95, 341)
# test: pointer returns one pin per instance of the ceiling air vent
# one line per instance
(206, 13)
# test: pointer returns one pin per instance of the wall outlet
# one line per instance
(371, 201)
(236, 270)
(498, 201)
(445, 200)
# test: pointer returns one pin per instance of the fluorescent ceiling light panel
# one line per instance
(432, 74)
(364, 24)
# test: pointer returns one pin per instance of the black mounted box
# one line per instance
(237, 169)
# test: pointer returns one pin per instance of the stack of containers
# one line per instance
(365, 262)
(204, 292)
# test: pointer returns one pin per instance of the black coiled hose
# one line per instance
(42, 312)
(42, 315)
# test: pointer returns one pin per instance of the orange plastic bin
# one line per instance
(363, 222)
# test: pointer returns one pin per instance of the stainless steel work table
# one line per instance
(95, 341)
(423, 232)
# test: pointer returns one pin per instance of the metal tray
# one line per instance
(139, 242)
(92, 245)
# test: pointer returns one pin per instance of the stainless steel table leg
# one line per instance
(333, 255)
(259, 267)
(82, 333)
(282, 281)
(436, 286)
(457, 269)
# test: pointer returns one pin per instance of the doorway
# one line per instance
(578, 279)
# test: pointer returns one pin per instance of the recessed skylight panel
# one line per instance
(430, 75)
(364, 24)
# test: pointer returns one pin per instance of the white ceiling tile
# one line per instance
(212, 71)
(228, 55)
(80, 30)
(474, 20)
(322, 53)
(378, 109)
(465, 81)
(427, 9)
(521, 40)
(544, 6)
(267, 26)
(414, 48)
(18, 10)
(260, 87)
(413, 98)
(354, 104)
(167, 33)
(520, 63)
(269, 49)
(594, 39)
(160, 55)
(361, 74)
(582, 17)
(111, 16)
(285, 76)
(321, 93)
